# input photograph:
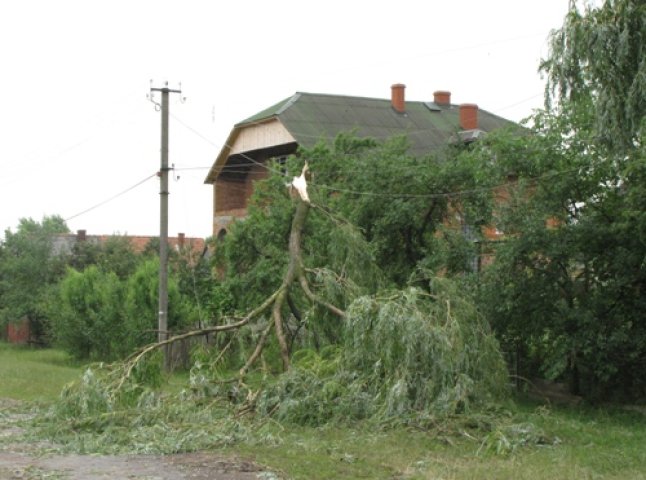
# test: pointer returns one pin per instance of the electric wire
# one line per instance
(113, 197)
(239, 169)
(96, 123)
(203, 137)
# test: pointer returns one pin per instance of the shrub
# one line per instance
(141, 306)
(87, 320)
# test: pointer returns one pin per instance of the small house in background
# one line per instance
(63, 244)
(306, 118)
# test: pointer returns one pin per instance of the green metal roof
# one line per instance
(310, 117)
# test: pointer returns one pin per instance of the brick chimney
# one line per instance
(468, 116)
(442, 97)
(81, 235)
(398, 99)
(181, 239)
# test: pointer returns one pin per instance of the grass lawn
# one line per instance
(584, 443)
(593, 444)
(34, 374)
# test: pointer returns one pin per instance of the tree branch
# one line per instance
(314, 298)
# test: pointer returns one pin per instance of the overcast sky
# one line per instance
(77, 128)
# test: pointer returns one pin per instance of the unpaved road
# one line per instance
(197, 466)
(19, 461)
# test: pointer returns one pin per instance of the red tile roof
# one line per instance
(138, 242)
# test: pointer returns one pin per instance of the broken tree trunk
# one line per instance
(294, 275)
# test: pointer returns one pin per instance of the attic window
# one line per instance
(433, 107)
(281, 161)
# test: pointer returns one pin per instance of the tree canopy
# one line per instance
(596, 68)
(28, 268)
(567, 289)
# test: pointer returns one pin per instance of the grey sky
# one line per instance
(77, 128)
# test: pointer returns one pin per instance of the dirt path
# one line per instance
(197, 466)
(19, 460)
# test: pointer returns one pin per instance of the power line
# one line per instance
(241, 169)
(456, 193)
(95, 123)
(100, 204)
(191, 129)
(217, 146)
(520, 102)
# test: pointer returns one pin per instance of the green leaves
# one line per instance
(97, 315)
(28, 269)
(597, 57)
(404, 355)
(87, 321)
(567, 286)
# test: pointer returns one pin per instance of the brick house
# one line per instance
(64, 243)
(305, 118)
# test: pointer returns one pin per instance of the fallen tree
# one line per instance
(294, 277)
(403, 355)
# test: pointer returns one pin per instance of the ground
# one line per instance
(25, 461)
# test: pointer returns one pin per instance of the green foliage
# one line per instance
(87, 320)
(400, 202)
(141, 306)
(508, 439)
(566, 290)
(406, 357)
(379, 214)
(102, 390)
(605, 443)
(254, 256)
(425, 353)
(597, 58)
(97, 315)
(378, 205)
(114, 255)
(28, 269)
(106, 411)
(199, 286)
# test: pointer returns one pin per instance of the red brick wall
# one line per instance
(230, 194)
(257, 172)
(18, 332)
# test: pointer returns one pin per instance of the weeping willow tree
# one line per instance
(596, 70)
(407, 355)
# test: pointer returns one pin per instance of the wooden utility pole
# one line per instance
(163, 221)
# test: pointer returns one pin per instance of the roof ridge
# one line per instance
(291, 101)
(339, 95)
(360, 97)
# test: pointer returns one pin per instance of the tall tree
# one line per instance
(28, 268)
(568, 287)
(598, 59)
(115, 254)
